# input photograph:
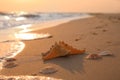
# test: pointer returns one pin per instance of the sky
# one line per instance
(109, 6)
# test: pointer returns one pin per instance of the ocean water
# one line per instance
(9, 20)
(10, 46)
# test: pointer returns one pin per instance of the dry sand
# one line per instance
(95, 34)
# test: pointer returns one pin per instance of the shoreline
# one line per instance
(95, 34)
(10, 35)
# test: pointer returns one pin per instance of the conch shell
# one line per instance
(61, 49)
(70, 48)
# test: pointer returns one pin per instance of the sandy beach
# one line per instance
(95, 35)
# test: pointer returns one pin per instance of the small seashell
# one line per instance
(106, 53)
(9, 64)
(10, 59)
(93, 56)
(48, 70)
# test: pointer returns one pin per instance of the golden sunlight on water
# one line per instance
(24, 28)
(20, 18)
(31, 36)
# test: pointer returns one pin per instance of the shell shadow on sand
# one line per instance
(72, 63)
(72, 59)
